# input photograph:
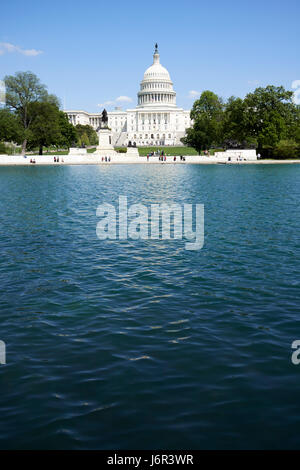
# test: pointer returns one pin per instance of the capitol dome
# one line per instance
(156, 70)
(156, 87)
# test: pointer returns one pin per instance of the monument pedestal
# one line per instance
(132, 152)
(105, 147)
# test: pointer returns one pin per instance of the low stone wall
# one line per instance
(92, 159)
(237, 155)
(77, 151)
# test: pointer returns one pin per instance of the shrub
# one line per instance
(286, 149)
(8, 149)
(3, 148)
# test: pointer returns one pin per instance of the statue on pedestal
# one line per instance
(104, 147)
(104, 120)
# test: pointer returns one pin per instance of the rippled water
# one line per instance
(143, 344)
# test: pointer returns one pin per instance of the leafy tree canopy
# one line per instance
(86, 135)
(262, 119)
(207, 114)
(23, 90)
(10, 127)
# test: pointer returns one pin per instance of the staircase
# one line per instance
(120, 139)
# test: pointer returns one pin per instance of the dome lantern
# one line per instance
(156, 55)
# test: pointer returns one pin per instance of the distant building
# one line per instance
(156, 120)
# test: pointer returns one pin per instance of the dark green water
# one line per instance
(215, 325)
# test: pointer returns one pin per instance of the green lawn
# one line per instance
(143, 151)
(61, 152)
(168, 150)
(175, 150)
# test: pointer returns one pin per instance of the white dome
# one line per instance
(156, 71)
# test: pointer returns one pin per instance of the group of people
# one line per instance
(157, 153)
(105, 159)
(56, 160)
(163, 158)
(239, 158)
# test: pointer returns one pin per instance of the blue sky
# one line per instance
(92, 52)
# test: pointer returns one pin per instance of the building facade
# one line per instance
(156, 120)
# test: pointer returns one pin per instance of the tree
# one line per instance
(10, 126)
(199, 136)
(22, 90)
(286, 149)
(49, 126)
(67, 131)
(85, 140)
(209, 105)
(267, 115)
(234, 130)
(294, 124)
(86, 134)
(44, 128)
(207, 114)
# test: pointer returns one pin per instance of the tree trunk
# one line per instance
(41, 150)
(24, 146)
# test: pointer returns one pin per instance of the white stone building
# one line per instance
(156, 120)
